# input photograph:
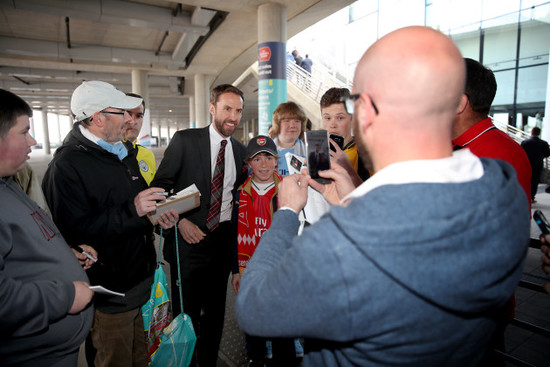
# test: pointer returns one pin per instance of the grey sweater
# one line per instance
(37, 270)
(408, 274)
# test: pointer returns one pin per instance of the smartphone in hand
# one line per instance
(542, 222)
(318, 156)
(338, 139)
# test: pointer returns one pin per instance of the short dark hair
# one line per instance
(137, 96)
(333, 96)
(481, 86)
(535, 131)
(11, 107)
(224, 88)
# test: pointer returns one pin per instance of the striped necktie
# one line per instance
(216, 190)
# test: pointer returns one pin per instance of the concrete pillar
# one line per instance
(46, 131)
(31, 126)
(254, 125)
(192, 117)
(70, 121)
(545, 135)
(272, 88)
(160, 133)
(140, 86)
(58, 141)
(201, 101)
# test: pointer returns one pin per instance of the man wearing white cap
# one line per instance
(98, 197)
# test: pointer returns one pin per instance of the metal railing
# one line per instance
(513, 132)
(315, 84)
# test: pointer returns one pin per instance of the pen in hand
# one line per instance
(88, 255)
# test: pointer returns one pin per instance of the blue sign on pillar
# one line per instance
(271, 83)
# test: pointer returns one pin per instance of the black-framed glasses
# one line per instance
(115, 112)
(349, 103)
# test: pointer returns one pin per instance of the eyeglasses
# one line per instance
(349, 103)
(115, 112)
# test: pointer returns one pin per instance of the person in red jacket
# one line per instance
(474, 130)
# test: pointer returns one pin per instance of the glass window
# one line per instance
(360, 36)
(492, 9)
(505, 88)
(529, 3)
(454, 16)
(361, 9)
(535, 40)
(532, 84)
(396, 14)
(468, 44)
(500, 47)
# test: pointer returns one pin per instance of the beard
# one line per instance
(224, 129)
(361, 147)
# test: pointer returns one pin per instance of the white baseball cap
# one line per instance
(95, 95)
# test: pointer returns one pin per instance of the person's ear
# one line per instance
(96, 119)
(212, 109)
(365, 112)
(462, 104)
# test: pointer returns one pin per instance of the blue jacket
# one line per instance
(306, 64)
(407, 274)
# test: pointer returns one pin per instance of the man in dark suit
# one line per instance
(204, 245)
(536, 149)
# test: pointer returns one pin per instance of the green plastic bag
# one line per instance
(177, 343)
(156, 312)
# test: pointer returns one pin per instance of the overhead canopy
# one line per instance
(48, 47)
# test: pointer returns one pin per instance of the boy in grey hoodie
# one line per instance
(44, 308)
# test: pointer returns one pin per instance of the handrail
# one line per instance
(315, 84)
(512, 131)
(516, 134)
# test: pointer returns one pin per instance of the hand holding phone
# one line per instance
(318, 156)
(542, 222)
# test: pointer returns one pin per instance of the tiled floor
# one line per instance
(530, 306)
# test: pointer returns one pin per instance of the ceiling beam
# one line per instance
(113, 12)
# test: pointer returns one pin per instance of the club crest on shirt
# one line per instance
(143, 166)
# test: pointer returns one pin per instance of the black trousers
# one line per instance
(535, 179)
(205, 269)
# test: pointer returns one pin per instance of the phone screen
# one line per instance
(318, 156)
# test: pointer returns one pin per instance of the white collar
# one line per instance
(462, 166)
(88, 134)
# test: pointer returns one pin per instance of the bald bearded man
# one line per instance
(406, 269)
